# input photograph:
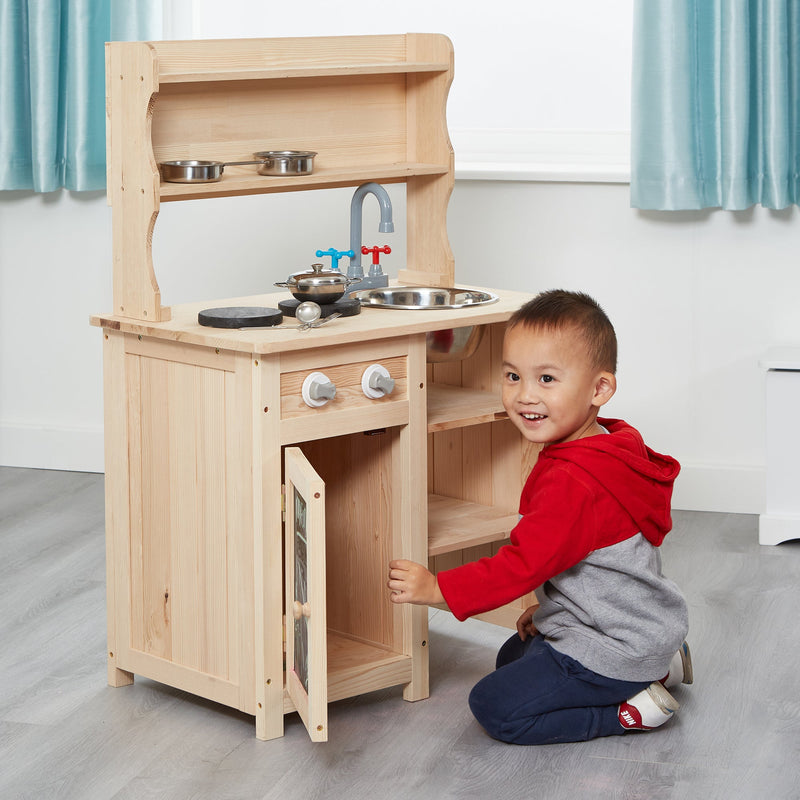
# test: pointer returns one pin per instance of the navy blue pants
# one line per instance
(540, 696)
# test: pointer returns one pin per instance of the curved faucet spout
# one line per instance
(355, 270)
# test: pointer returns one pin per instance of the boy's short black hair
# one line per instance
(559, 309)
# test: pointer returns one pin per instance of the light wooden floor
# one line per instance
(65, 734)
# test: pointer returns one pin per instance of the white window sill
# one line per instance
(572, 156)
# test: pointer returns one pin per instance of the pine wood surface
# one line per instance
(373, 108)
(181, 60)
(372, 324)
(64, 733)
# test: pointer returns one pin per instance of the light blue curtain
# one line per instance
(52, 87)
(715, 104)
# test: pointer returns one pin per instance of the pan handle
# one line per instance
(240, 163)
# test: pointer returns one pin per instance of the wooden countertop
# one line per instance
(371, 323)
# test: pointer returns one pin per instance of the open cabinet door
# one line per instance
(306, 624)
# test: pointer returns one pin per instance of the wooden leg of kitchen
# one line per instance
(419, 687)
(118, 677)
(269, 718)
(269, 708)
(413, 516)
(117, 498)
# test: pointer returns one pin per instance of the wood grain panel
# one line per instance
(229, 121)
(182, 58)
(155, 573)
(117, 507)
(349, 394)
(357, 471)
(191, 440)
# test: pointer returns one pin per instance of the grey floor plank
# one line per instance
(65, 734)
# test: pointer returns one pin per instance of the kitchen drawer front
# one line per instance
(350, 410)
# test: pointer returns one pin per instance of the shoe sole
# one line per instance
(663, 699)
(686, 663)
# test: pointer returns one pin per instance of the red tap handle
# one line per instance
(375, 251)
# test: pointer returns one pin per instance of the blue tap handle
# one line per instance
(335, 255)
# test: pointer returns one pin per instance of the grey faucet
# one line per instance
(355, 270)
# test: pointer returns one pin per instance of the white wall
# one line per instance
(520, 65)
(695, 296)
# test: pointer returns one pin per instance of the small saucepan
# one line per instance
(197, 171)
(318, 284)
(286, 162)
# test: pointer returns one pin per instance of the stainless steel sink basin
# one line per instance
(450, 344)
(413, 298)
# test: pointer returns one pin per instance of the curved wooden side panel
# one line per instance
(133, 180)
(430, 258)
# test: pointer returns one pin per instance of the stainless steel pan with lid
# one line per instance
(318, 284)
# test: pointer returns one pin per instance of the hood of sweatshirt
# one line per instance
(623, 465)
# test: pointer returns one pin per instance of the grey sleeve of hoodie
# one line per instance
(615, 612)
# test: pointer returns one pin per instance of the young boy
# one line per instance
(594, 657)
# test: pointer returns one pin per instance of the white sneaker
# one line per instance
(648, 709)
(680, 668)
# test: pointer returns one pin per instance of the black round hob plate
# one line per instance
(347, 307)
(240, 317)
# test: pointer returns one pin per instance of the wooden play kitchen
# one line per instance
(213, 455)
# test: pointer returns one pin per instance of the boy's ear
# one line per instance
(604, 388)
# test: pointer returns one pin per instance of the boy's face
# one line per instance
(551, 391)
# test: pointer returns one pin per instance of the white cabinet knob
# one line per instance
(376, 381)
(318, 389)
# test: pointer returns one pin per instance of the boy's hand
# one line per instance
(410, 582)
(525, 626)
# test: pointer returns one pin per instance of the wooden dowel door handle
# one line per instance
(301, 609)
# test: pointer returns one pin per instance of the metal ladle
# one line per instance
(308, 315)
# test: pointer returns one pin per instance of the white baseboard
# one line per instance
(75, 449)
(777, 528)
(733, 490)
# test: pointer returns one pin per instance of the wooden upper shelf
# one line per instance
(332, 70)
(291, 57)
(246, 180)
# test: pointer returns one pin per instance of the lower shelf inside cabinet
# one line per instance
(458, 524)
(456, 407)
(356, 667)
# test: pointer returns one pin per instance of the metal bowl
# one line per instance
(421, 298)
(452, 344)
(285, 162)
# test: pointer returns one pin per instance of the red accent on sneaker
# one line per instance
(629, 717)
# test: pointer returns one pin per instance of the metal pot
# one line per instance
(197, 171)
(285, 162)
(319, 284)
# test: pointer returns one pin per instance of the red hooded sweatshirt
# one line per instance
(581, 496)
